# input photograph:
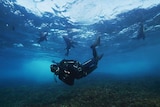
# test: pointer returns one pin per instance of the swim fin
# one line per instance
(96, 43)
(100, 57)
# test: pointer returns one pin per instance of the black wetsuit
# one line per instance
(69, 70)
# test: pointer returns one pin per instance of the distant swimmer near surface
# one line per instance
(140, 34)
(43, 37)
(69, 44)
(69, 70)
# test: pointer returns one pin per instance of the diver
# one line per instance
(140, 34)
(69, 44)
(69, 70)
(43, 37)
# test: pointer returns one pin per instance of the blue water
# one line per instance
(23, 62)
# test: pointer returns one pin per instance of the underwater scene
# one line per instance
(79, 53)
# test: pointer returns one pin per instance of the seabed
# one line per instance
(88, 92)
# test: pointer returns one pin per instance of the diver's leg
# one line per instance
(96, 43)
(89, 66)
(89, 63)
(93, 46)
(94, 52)
(91, 69)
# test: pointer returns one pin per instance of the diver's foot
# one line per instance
(96, 43)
